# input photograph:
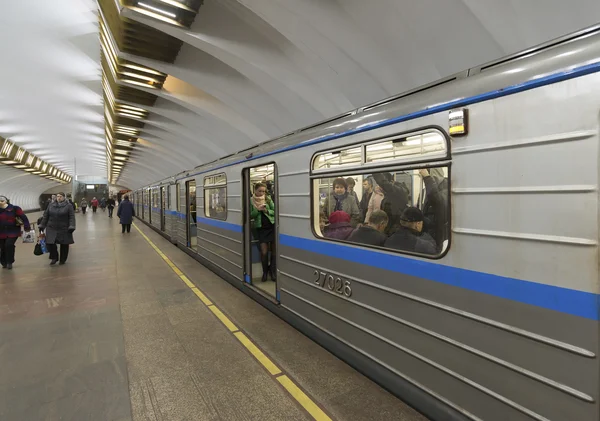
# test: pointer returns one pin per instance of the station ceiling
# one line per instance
(140, 90)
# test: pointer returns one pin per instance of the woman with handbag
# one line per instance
(11, 219)
(59, 223)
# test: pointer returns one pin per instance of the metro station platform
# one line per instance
(132, 328)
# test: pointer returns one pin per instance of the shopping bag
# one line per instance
(43, 245)
(29, 237)
(37, 250)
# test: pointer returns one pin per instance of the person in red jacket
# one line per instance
(11, 219)
(94, 204)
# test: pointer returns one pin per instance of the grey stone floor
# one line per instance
(115, 335)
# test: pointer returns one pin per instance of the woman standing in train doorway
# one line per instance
(263, 218)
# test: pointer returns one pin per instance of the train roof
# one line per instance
(558, 55)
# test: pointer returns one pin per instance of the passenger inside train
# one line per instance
(412, 203)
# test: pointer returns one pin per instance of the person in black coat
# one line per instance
(373, 233)
(435, 206)
(366, 197)
(111, 206)
(410, 235)
(58, 223)
(395, 200)
(125, 212)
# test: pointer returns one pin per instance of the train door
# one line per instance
(150, 194)
(192, 227)
(261, 212)
(144, 200)
(163, 208)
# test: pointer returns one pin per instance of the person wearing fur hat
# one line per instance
(339, 227)
(410, 235)
(11, 219)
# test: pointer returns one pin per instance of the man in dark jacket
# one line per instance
(366, 197)
(435, 206)
(395, 201)
(409, 236)
(373, 233)
(111, 206)
(126, 213)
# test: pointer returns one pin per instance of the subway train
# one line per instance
(501, 320)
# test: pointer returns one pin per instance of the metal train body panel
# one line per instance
(505, 324)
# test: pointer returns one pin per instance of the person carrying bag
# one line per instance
(11, 219)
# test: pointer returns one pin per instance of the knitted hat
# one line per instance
(338, 216)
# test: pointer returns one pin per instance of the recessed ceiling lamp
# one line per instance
(156, 9)
(178, 5)
(142, 69)
(133, 82)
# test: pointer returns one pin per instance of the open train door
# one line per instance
(260, 231)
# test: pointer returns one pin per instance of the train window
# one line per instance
(215, 196)
(177, 198)
(428, 145)
(337, 159)
(403, 205)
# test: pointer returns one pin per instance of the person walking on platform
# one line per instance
(125, 212)
(11, 219)
(94, 204)
(111, 206)
(59, 223)
(83, 205)
(103, 204)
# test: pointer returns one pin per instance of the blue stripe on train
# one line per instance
(219, 224)
(578, 303)
(565, 300)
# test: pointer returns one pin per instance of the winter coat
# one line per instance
(364, 205)
(125, 212)
(338, 230)
(348, 205)
(367, 235)
(111, 203)
(374, 203)
(407, 240)
(395, 200)
(435, 209)
(59, 223)
(94, 203)
(84, 203)
(255, 214)
(8, 222)
(353, 193)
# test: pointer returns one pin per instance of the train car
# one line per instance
(481, 300)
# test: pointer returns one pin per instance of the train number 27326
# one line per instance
(332, 282)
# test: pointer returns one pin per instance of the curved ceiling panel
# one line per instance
(177, 83)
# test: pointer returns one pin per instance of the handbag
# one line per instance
(37, 250)
(29, 237)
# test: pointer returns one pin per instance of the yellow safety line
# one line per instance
(223, 318)
(258, 354)
(306, 402)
